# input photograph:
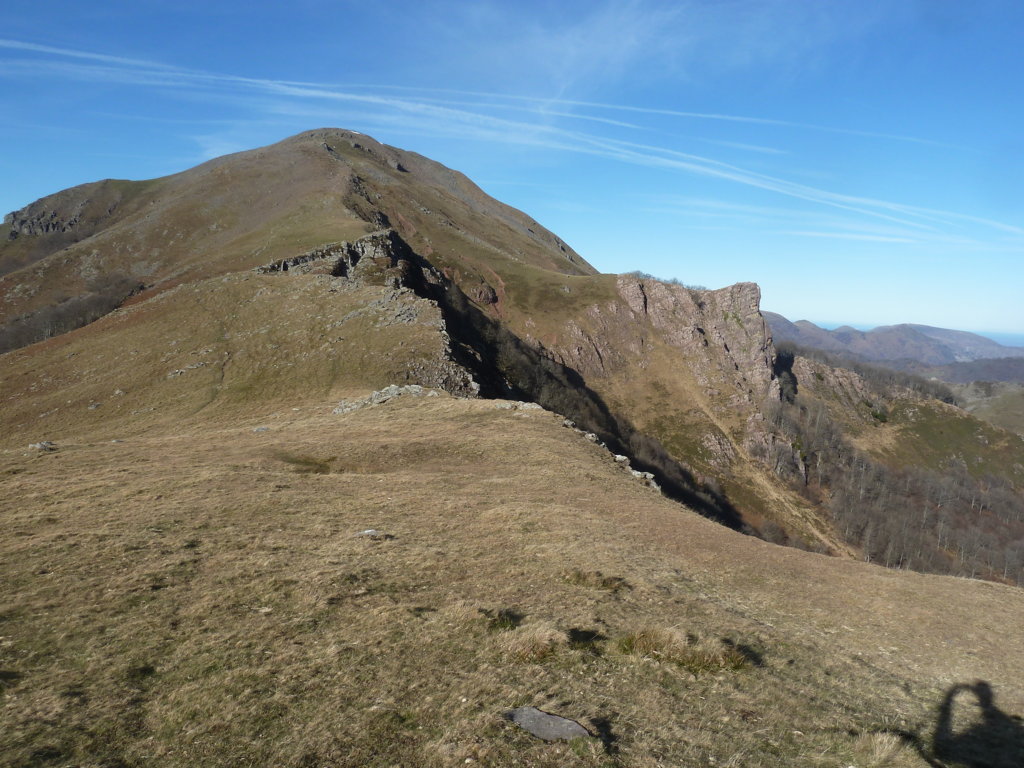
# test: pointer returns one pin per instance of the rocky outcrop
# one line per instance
(721, 337)
(830, 383)
(484, 294)
(409, 288)
(380, 258)
(381, 396)
(26, 222)
(319, 259)
(75, 213)
(721, 332)
(713, 364)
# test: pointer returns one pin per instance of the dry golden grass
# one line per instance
(687, 651)
(189, 597)
(217, 347)
(533, 643)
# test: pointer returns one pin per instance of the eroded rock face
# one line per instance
(484, 294)
(722, 331)
(26, 222)
(721, 336)
(381, 258)
(728, 348)
(839, 382)
(714, 364)
(74, 213)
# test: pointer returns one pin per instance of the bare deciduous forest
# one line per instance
(101, 296)
(951, 522)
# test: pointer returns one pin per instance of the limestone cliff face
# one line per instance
(839, 384)
(726, 347)
(694, 368)
(721, 334)
(601, 341)
(718, 337)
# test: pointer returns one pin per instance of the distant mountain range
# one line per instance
(893, 343)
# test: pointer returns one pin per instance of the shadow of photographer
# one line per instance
(993, 739)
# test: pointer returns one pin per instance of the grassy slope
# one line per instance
(232, 213)
(1000, 403)
(914, 431)
(212, 347)
(935, 435)
(253, 207)
(196, 596)
(278, 201)
(240, 211)
(93, 207)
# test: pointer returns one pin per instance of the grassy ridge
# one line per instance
(202, 598)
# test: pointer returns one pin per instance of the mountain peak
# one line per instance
(248, 208)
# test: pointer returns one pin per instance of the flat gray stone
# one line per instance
(546, 726)
(374, 535)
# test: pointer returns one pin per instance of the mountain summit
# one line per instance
(243, 210)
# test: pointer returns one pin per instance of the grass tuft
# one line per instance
(688, 652)
(534, 643)
(596, 580)
(502, 619)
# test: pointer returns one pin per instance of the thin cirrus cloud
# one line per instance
(583, 47)
(73, 54)
(799, 222)
(470, 114)
(700, 116)
(651, 155)
(488, 127)
(132, 71)
(563, 48)
(849, 236)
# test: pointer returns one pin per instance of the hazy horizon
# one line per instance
(1007, 339)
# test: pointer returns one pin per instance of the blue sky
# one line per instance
(862, 161)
